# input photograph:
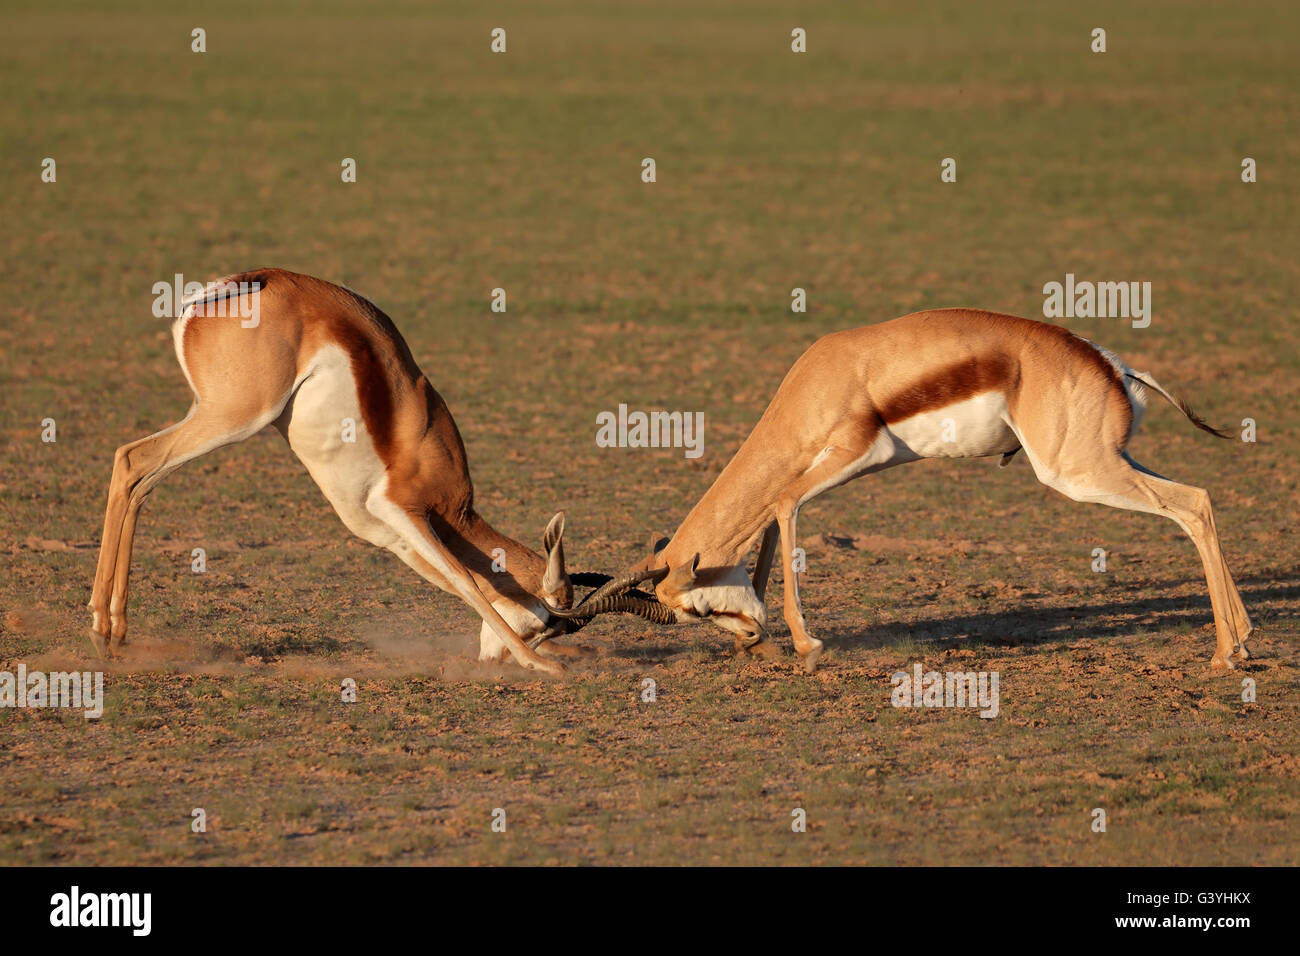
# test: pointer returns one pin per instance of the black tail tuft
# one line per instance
(1179, 404)
(1200, 422)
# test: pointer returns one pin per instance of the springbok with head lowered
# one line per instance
(950, 383)
(331, 372)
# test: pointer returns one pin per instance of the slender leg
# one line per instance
(1239, 614)
(809, 648)
(1238, 617)
(138, 467)
(839, 466)
(1122, 483)
(763, 567)
(432, 554)
(114, 517)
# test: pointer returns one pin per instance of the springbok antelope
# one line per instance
(317, 356)
(950, 383)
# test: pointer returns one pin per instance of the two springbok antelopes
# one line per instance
(951, 383)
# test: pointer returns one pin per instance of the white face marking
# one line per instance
(731, 593)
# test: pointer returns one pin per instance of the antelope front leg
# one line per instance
(809, 648)
(102, 588)
(763, 565)
(425, 551)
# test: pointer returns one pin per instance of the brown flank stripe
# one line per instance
(954, 383)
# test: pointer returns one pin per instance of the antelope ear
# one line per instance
(554, 532)
(682, 577)
(553, 544)
(656, 543)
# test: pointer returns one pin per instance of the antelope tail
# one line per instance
(1178, 403)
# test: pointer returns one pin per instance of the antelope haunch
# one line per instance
(951, 383)
(331, 372)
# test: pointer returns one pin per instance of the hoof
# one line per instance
(100, 644)
(768, 650)
(811, 658)
(1220, 666)
(554, 668)
(1240, 654)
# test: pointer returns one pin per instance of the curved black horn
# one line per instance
(642, 606)
(651, 610)
(562, 625)
(603, 600)
(623, 583)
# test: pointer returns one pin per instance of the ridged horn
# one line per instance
(645, 607)
(604, 600)
(618, 585)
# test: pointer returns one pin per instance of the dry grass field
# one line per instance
(775, 170)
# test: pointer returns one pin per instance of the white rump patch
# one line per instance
(1134, 388)
(210, 290)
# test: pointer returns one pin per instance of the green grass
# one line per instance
(774, 171)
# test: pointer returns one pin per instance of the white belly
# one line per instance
(973, 428)
(324, 427)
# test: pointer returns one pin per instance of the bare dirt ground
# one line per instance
(775, 172)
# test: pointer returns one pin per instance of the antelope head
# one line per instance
(677, 594)
(722, 595)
